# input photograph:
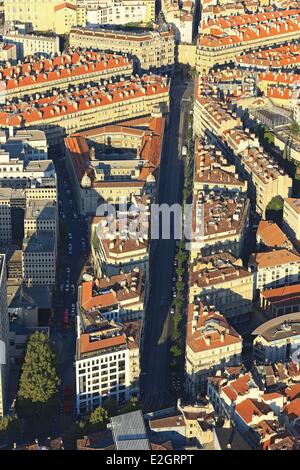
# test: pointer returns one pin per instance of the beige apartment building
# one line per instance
(222, 283)
(54, 15)
(291, 217)
(91, 107)
(36, 77)
(211, 344)
(235, 36)
(31, 44)
(129, 169)
(113, 254)
(151, 50)
(220, 224)
(264, 176)
(274, 269)
(212, 171)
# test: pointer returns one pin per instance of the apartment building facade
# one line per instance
(92, 107)
(277, 340)
(31, 44)
(55, 15)
(242, 33)
(211, 344)
(151, 50)
(291, 217)
(220, 282)
(274, 269)
(107, 365)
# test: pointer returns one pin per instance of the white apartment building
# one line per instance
(39, 259)
(117, 12)
(4, 337)
(107, 365)
(31, 44)
(274, 269)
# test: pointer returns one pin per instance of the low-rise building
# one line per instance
(220, 282)
(211, 343)
(278, 339)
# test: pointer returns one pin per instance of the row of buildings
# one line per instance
(222, 39)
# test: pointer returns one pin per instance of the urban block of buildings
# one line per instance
(150, 50)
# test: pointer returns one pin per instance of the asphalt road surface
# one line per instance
(155, 378)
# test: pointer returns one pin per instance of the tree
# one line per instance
(111, 406)
(294, 128)
(99, 417)
(96, 421)
(11, 428)
(131, 405)
(39, 381)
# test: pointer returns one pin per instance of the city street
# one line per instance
(72, 255)
(157, 328)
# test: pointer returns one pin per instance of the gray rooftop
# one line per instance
(280, 327)
(41, 242)
(129, 431)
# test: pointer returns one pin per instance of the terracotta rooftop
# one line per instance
(271, 235)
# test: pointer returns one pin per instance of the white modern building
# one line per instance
(107, 363)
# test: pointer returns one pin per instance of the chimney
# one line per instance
(92, 154)
(11, 131)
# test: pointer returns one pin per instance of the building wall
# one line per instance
(291, 221)
(198, 365)
(231, 298)
(105, 375)
(42, 19)
(154, 50)
(28, 44)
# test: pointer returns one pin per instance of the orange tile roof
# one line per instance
(274, 258)
(89, 346)
(271, 234)
(249, 408)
